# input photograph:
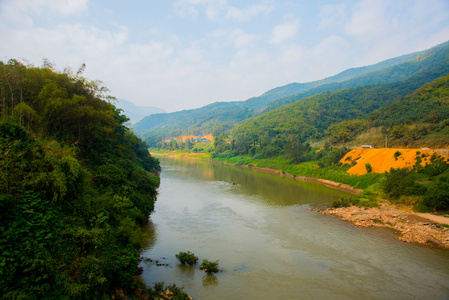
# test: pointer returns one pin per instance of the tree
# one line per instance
(400, 181)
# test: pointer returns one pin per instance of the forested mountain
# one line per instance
(418, 120)
(221, 117)
(433, 60)
(75, 184)
(325, 114)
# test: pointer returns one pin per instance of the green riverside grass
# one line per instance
(310, 169)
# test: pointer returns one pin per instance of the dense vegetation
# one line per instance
(221, 117)
(310, 136)
(430, 183)
(75, 185)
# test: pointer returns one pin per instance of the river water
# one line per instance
(271, 246)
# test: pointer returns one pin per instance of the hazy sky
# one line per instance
(188, 53)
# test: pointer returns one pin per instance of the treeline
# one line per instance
(338, 117)
(75, 184)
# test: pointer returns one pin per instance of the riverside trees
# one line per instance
(75, 183)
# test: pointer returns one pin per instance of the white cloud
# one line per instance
(185, 9)
(22, 11)
(384, 29)
(235, 13)
(217, 10)
(284, 31)
(368, 19)
(218, 60)
(236, 37)
(331, 14)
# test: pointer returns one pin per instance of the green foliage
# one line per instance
(396, 155)
(437, 196)
(368, 167)
(400, 181)
(345, 131)
(357, 200)
(75, 184)
(187, 258)
(430, 183)
(209, 266)
(343, 202)
(177, 292)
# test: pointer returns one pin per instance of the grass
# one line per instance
(309, 169)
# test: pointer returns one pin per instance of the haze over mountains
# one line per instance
(136, 113)
(411, 70)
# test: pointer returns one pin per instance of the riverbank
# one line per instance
(409, 226)
(329, 183)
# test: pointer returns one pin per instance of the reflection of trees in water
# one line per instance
(186, 270)
(210, 279)
(271, 189)
(150, 235)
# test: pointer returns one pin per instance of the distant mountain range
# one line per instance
(136, 113)
(412, 71)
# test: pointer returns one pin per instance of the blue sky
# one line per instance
(185, 54)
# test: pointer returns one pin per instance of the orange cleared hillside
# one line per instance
(208, 137)
(382, 160)
(188, 137)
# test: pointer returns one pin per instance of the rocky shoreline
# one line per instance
(411, 227)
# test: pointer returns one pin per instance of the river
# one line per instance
(271, 246)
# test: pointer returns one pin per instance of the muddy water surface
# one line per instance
(271, 246)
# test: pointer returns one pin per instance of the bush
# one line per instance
(343, 202)
(368, 167)
(354, 200)
(396, 155)
(400, 181)
(187, 258)
(437, 196)
(209, 266)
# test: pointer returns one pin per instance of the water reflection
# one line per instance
(271, 246)
(150, 232)
(209, 279)
(186, 270)
(270, 189)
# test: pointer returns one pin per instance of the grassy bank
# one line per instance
(310, 169)
(369, 182)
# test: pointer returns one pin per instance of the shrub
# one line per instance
(368, 167)
(396, 155)
(209, 266)
(354, 200)
(437, 196)
(343, 202)
(187, 258)
(400, 181)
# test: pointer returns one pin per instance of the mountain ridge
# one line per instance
(222, 116)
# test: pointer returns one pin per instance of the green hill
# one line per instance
(221, 117)
(415, 121)
(319, 116)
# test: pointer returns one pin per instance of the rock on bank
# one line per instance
(411, 227)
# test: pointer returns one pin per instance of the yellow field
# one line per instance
(383, 159)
